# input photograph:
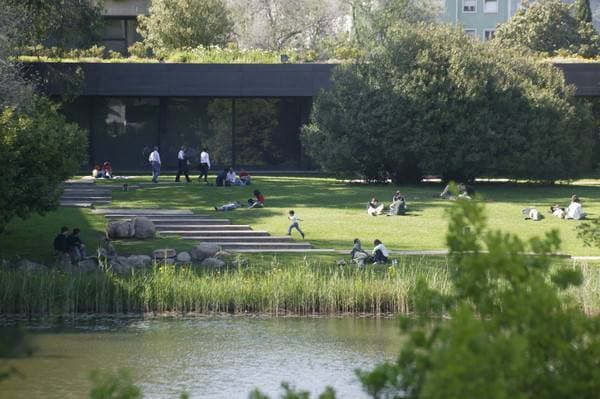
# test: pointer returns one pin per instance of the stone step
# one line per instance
(232, 246)
(144, 212)
(85, 201)
(200, 231)
(234, 239)
(75, 204)
(221, 233)
(86, 197)
(178, 222)
(159, 216)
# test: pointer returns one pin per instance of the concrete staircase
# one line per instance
(203, 228)
(84, 194)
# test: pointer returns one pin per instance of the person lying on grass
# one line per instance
(228, 207)
(558, 211)
(375, 207)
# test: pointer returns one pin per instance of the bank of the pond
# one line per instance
(299, 288)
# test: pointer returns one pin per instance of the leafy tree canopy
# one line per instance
(429, 100)
(550, 26)
(176, 24)
(42, 150)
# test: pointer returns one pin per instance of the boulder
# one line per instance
(125, 265)
(139, 261)
(29, 266)
(120, 229)
(184, 257)
(161, 254)
(213, 263)
(204, 250)
(87, 265)
(144, 228)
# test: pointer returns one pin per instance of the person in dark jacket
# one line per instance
(221, 178)
(61, 246)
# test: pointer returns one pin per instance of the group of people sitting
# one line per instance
(397, 207)
(102, 172)
(228, 177)
(379, 254)
(69, 245)
(257, 202)
(573, 212)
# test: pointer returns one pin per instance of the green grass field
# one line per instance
(333, 213)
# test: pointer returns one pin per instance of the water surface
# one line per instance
(207, 357)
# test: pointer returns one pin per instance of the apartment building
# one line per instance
(479, 18)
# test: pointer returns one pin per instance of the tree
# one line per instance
(185, 24)
(510, 333)
(583, 11)
(428, 99)
(40, 150)
(62, 23)
(548, 27)
(281, 24)
(14, 90)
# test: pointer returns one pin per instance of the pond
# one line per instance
(207, 357)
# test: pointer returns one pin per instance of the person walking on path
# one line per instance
(154, 160)
(294, 219)
(380, 252)
(204, 165)
(182, 165)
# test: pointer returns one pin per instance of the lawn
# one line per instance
(333, 213)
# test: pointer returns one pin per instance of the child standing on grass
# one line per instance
(294, 219)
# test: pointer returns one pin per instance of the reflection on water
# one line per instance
(213, 357)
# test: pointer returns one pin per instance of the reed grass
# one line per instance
(304, 287)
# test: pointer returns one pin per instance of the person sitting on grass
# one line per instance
(558, 211)
(232, 179)
(97, 172)
(575, 211)
(76, 246)
(107, 170)
(375, 208)
(380, 252)
(358, 255)
(220, 179)
(398, 206)
(245, 178)
(294, 219)
(228, 207)
(61, 246)
(259, 202)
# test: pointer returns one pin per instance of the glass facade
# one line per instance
(251, 133)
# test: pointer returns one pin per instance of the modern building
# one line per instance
(120, 23)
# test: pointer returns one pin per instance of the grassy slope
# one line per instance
(333, 213)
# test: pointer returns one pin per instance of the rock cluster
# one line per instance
(140, 227)
(206, 255)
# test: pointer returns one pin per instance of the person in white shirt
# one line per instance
(380, 252)
(574, 211)
(204, 165)
(154, 160)
(294, 219)
(232, 179)
(182, 165)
